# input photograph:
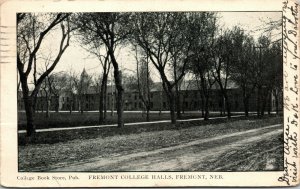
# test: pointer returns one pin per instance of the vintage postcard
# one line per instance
(159, 93)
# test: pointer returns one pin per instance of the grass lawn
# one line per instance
(52, 148)
(65, 119)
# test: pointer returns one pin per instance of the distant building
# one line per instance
(190, 99)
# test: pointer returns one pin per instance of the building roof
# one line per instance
(156, 86)
(194, 85)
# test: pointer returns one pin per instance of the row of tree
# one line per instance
(173, 43)
(57, 84)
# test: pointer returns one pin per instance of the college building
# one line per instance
(190, 99)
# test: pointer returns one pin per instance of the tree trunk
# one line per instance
(206, 113)
(258, 101)
(171, 99)
(245, 101)
(120, 91)
(182, 104)
(42, 108)
(120, 106)
(172, 107)
(205, 95)
(148, 114)
(160, 102)
(202, 103)
(101, 100)
(56, 104)
(264, 99)
(119, 87)
(34, 103)
(101, 105)
(262, 112)
(112, 103)
(71, 104)
(30, 129)
(177, 97)
(222, 105)
(276, 102)
(227, 105)
(47, 106)
(104, 100)
(29, 116)
(172, 113)
(246, 106)
(269, 103)
(81, 104)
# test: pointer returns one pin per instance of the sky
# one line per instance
(76, 58)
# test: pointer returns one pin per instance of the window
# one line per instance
(135, 105)
(165, 105)
(151, 104)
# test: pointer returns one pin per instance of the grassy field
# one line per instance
(65, 119)
(57, 148)
(89, 133)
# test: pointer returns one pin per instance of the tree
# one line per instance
(52, 87)
(110, 28)
(46, 85)
(244, 65)
(204, 35)
(95, 46)
(130, 82)
(223, 60)
(58, 83)
(100, 87)
(272, 61)
(144, 81)
(165, 39)
(260, 75)
(269, 73)
(277, 72)
(32, 30)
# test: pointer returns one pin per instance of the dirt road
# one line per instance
(191, 156)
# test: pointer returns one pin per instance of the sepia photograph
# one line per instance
(190, 91)
(149, 93)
